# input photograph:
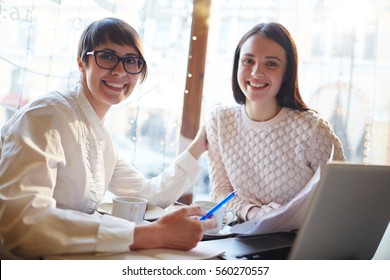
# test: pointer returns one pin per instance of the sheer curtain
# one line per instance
(343, 72)
(38, 54)
(343, 63)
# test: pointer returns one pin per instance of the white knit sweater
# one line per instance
(270, 162)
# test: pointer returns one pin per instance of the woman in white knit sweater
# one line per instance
(271, 143)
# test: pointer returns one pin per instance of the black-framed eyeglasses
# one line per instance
(109, 60)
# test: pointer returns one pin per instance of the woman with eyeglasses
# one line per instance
(57, 160)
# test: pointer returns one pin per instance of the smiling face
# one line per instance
(261, 67)
(105, 88)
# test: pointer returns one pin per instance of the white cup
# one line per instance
(222, 215)
(129, 208)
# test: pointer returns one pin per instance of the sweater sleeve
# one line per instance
(219, 178)
(221, 185)
(321, 143)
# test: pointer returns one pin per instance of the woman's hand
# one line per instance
(180, 229)
(256, 212)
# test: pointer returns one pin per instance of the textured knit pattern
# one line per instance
(270, 162)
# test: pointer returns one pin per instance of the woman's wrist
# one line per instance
(199, 145)
(196, 150)
(146, 237)
(252, 213)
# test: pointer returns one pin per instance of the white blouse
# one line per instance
(57, 161)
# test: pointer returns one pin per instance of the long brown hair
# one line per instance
(288, 95)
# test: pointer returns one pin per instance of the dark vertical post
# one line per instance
(194, 80)
(195, 69)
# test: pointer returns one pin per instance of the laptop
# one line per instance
(347, 217)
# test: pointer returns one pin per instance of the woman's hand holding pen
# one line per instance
(176, 230)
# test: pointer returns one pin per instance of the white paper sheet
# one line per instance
(200, 252)
(285, 218)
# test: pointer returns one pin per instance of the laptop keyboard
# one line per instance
(274, 254)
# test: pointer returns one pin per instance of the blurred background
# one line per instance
(344, 66)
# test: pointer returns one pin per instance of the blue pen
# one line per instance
(219, 205)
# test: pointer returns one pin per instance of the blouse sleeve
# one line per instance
(161, 190)
(30, 224)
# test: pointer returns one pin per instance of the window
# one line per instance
(39, 55)
(342, 46)
(343, 64)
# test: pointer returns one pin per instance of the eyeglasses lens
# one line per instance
(107, 60)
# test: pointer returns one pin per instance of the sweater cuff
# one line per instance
(114, 235)
(245, 209)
